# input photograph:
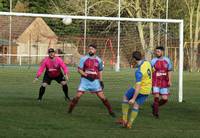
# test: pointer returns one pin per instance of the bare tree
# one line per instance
(132, 8)
(191, 6)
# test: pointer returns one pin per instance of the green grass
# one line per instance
(22, 116)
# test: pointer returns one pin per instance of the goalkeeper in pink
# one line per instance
(90, 69)
(55, 69)
(162, 77)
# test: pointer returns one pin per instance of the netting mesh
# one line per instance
(31, 37)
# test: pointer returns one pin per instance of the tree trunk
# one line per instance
(196, 36)
(159, 28)
(190, 6)
(191, 42)
(139, 24)
(151, 42)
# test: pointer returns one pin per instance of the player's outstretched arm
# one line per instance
(170, 78)
(41, 68)
(100, 75)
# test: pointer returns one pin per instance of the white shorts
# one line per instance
(89, 86)
(161, 91)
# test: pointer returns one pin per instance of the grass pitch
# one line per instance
(22, 116)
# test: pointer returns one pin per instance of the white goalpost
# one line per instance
(118, 20)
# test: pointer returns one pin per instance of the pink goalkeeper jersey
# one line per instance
(53, 67)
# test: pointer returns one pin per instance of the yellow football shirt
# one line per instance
(143, 75)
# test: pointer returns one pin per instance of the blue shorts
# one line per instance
(89, 86)
(162, 91)
(141, 98)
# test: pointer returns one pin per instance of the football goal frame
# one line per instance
(118, 19)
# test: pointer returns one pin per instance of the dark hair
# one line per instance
(93, 45)
(51, 50)
(160, 48)
(137, 55)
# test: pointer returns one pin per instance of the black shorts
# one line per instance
(47, 79)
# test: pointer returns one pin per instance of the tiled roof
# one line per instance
(19, 24)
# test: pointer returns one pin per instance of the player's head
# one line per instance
(92, 49)
(136, 56)
(159, 51)
(51, 52)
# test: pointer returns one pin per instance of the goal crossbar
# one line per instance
(92, 17)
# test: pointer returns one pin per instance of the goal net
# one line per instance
(25, 38)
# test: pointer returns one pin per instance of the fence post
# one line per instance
(20, 60)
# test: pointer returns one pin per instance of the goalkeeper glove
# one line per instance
(35, 79)
(102, 84)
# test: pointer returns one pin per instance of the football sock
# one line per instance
(125, 108)
(162, 102)
(107, 104)
(133, 116)
(65, 90)
(41, 92)
(73, 104)
(156, 105)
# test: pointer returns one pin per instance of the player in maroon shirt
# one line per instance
(162, 76)
(90, 69)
